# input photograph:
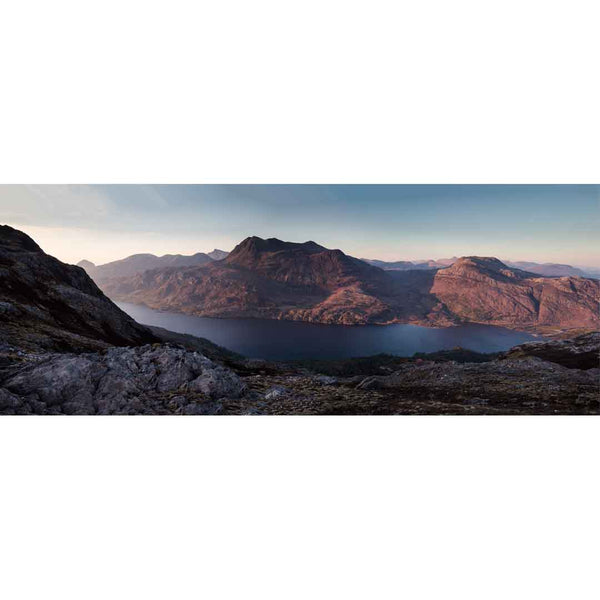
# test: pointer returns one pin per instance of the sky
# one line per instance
(101, 223)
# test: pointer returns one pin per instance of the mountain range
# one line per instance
(138, 263)
(308, 282)
(65, 348)
(546, 269)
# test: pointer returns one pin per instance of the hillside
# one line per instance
(485, 290)
(45, 303)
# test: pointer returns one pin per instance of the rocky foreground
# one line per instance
(178, 379)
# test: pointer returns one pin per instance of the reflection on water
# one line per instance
(288, 340)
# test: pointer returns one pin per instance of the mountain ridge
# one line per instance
(271, 278)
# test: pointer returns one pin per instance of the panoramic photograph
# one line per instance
(299, 299)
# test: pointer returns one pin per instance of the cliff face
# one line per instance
(307, 282)
(484, 290)
(47, 304)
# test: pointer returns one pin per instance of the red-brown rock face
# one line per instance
(484, 290)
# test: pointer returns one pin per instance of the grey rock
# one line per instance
(209, 407)
(120, 381)
(369, 383)
(275, 392)
(8, 401)
(326, 380)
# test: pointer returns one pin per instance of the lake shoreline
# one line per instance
(283, 339)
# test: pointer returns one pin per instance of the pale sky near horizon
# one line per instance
(101, 223)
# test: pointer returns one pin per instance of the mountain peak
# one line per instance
(488, 262)
(14, 240)
(217, 254)
(254, 246)
(86, 264)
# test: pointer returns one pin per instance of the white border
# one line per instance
(312, 92)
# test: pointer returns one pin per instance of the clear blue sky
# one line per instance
(391, 222)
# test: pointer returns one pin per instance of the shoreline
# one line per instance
(542, 331)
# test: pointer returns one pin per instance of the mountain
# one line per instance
(86, 265)
(271, 279)
(399, 265)
(485, 290)
(545, 269)
(548, 269)
(217, 254)
(404, 265)
(305, 281)
(45, 303)
(138, 263)
(440, 263)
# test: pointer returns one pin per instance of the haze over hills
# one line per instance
(308, 282)
(138, 263)
(546, 269)
(550, 269)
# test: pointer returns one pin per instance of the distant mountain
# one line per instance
(591, 272)
(399, 265)
(47, 304)
(405, 265)
(545, 269)
(217, 254)
(548, 269)
(138, 263)
(440, 263)
(305, 281)
(86, 264)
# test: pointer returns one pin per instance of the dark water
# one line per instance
(288, 340)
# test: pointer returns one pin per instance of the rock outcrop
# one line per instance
(145, 380)
(583, 352)
(163, 379)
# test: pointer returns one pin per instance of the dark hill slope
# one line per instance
(46, 304)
